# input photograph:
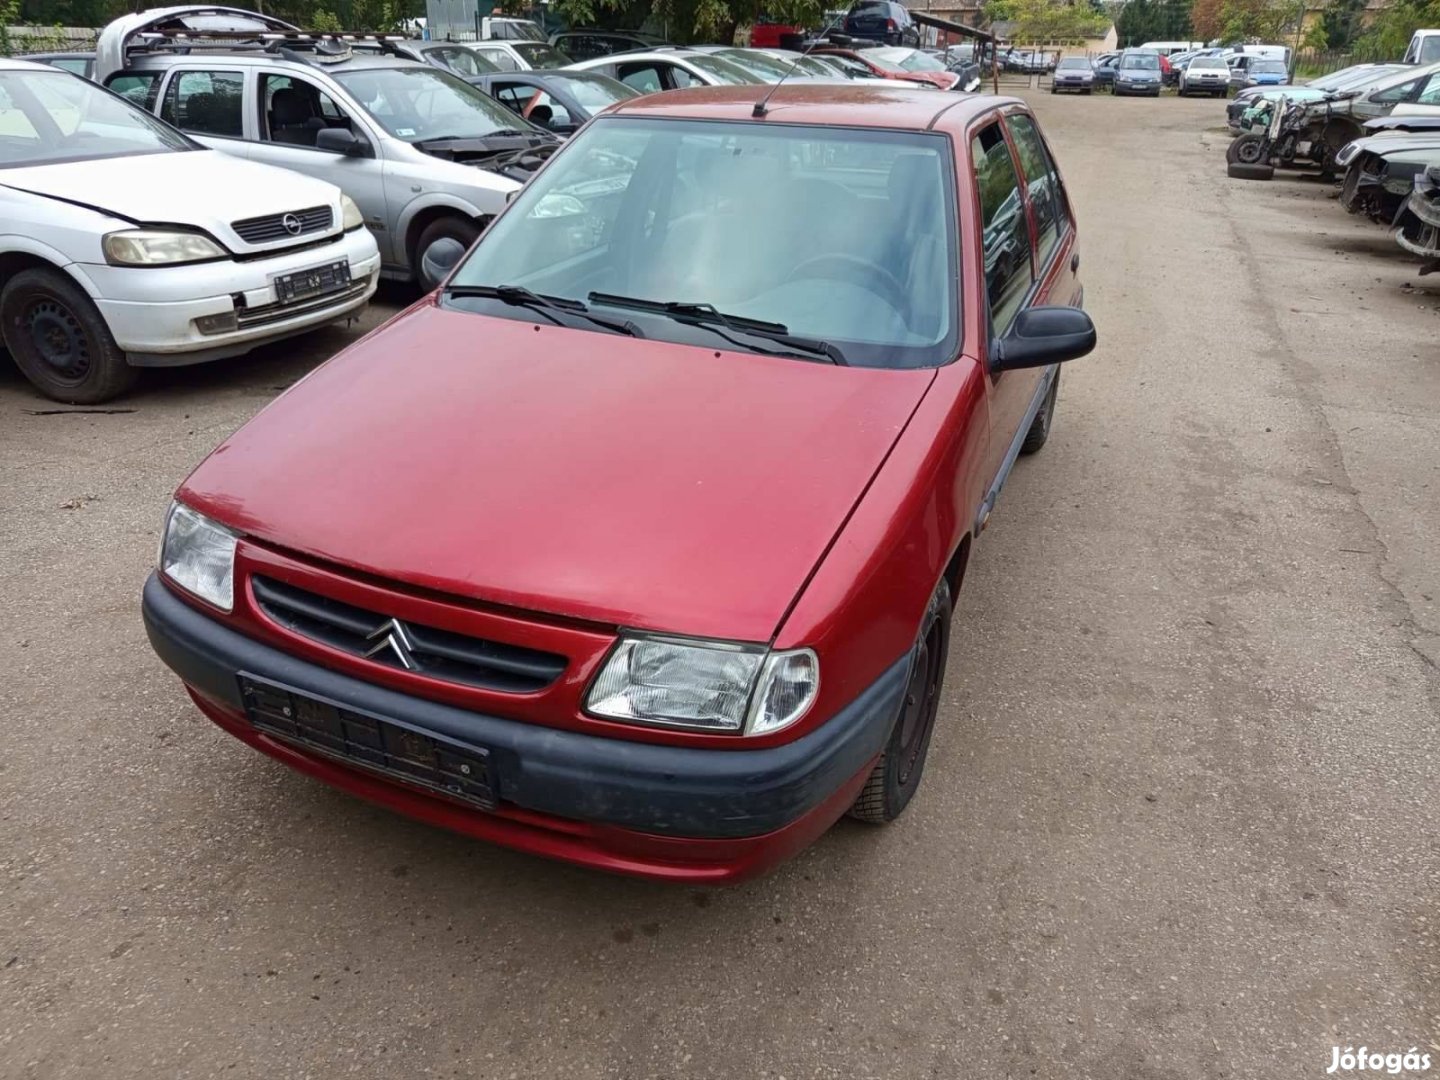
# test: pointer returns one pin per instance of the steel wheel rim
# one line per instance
(58, 338)
(922, 697)
(1249, 153)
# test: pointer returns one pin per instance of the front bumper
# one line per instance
(151, 311)
(1151, 89)
(676, 813)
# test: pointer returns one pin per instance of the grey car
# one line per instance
(428, 158)
(1073, 73)
(1138, 72)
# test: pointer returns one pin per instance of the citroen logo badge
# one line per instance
(292, 224)
(392, 635)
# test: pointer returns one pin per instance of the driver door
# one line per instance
(284, 138)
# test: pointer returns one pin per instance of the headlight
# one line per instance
(199, 556)
(159, 247)
(712, 686)
(350, 216)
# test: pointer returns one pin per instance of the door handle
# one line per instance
(1074, 262)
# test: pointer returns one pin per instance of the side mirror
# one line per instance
(342, 141)
(1041, 336)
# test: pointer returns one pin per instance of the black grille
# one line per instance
(407, 646)
(271, 227)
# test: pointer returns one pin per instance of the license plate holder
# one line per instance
(316, 281)
(370, 741)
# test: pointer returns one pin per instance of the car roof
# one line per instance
(824, 103)
(7, 64)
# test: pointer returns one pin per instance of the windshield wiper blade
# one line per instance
(706, 315)
(519, 296)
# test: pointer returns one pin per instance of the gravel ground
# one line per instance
(1180, 814)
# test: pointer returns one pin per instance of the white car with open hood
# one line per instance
(124, 243)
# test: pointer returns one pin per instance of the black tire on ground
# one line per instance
(896, 776)
(60, 341)
(1238, 171)
(445, 240)
(1247, 149)
(1040, 426)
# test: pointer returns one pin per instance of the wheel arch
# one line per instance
(38, 257)
(418, 217)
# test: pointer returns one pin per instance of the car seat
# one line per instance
(292, 119)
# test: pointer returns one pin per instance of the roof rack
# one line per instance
(302, 46)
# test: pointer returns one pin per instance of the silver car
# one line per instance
(1073, 73)
(428, 158)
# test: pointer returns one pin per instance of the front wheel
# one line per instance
(60, 341)
(441, 245)
(1040, 426)
(896, 776)
(1248, 149)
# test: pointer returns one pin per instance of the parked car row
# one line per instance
(410, 148)
(1147, 70)
(1373, 127)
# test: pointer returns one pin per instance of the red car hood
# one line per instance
(943, 79)
(636, 483)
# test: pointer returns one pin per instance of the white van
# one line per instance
(1170, 48)
(1264, 52)
(1424, 47)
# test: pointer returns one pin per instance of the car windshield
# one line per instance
(1268, 67)
(1140, 62)
(1073, 63)
(1207, 63)
(732, 225)
(50, 116)
(1429, 49)
(421, 103)
(879, 59)
(539, 54)
(519, 30)
(919, 61)
(594, 92)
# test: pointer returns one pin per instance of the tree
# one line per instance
(1153, 20)
(1205, 20)
(1050, 20)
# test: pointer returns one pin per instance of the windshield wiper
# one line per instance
(519, 296)
(706, 315)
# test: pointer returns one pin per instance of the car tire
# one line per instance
(1239, 171)
(1245, 149)
(893, 781)
(444, 240)
(1040, 427)
(60, 341)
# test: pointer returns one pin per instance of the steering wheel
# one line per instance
(837, 266)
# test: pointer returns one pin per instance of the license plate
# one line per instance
(318, 281)
(370, 741)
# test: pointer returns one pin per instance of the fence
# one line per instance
(19, 40)
(1312, 63)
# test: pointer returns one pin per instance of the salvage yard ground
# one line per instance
(1181, 811)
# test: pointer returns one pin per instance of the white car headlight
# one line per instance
(709, 685)
(199, 556)
(350, 216)
(159, 247)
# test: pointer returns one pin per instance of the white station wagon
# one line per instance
(125, 244)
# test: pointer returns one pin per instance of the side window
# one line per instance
(205, 102)
(680, 78)
(136, 87)
(500, 58)
(293, 111)
(643, 77)
(1431, 94)
(1397, 94)
(75, 67)
(1040, 183)
(1006, 230)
